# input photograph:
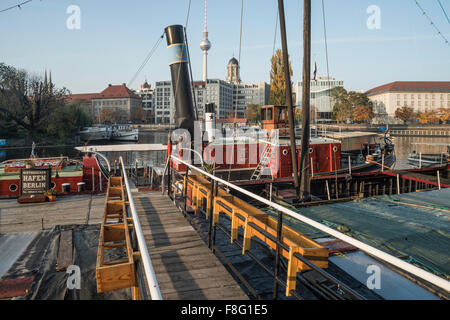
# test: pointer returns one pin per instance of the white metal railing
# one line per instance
(152, 282)
(418, 272)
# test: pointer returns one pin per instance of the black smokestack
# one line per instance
(184, 109)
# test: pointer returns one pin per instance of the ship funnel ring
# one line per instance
(13, 187)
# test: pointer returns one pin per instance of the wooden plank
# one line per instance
(184, 266)
(65, 251)
(15, 287)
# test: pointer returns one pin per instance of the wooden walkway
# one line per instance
(184, 266)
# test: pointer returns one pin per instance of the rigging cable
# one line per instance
(16, 6)
(150, 54)
(431, 22)
(443, 10)
(237, 87)
(326, 54)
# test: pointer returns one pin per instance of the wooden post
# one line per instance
(93, 180)
(349, 164)
(287, 77)
(210, 213)
(305, 183)
(185, 189)
(151, 179)
(270, 193)
(382, 162)
(328, 189)
(398, 183)
(100, 179)
(420, 160)
(439, 180)
(277, 254)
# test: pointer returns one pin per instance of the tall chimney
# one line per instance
(184, 108)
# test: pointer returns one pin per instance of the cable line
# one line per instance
(431, 22)
(443, 10)
(150, 54)
(16, 6)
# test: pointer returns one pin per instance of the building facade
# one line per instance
(321, 101)
(116, 100)
(146, 94)
(419, 95)
(122, 101)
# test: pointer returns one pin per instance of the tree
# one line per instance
(405, 114)
(342, 109)
(428, 117)
(139, 114)
(345, 103)
(277, 95)
(106, 115)
(27, 101)
(363, 113)
(444, 114)
(253, 112)
(67, 121)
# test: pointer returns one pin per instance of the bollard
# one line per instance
(81, 186)
(66, 187)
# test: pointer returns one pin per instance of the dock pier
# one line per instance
(184, 266)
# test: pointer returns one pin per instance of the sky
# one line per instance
(115, 37)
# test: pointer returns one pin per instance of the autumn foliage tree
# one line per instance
(106, 115)
(444, 114)
(139, 114)
(363, 113)
(253, 112)
(277, 95)
(405, 114)
(428, 117)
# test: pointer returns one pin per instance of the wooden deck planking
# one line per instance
(184, 266)
(15, 217)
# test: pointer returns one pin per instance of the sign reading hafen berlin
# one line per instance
(35, 181)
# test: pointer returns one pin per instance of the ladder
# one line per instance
(265, 157)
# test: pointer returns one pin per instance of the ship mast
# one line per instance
(303, 187)
(287, 80)
(305, 183)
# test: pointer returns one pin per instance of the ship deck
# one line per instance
(414, 226)
(184, 266)
(68, 171)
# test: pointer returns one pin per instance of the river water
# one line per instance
(403, 146)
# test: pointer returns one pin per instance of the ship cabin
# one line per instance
(275, 117)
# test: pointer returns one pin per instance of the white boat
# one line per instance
(124, 133)
(95, 133)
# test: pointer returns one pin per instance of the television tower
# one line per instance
(205, 45)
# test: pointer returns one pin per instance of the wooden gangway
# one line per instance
(184, 266)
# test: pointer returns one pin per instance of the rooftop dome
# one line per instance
(233, 61)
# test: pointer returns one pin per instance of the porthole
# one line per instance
(13, 187)
(285, 152)
(52, 185)
(311, 150)
(335, 149)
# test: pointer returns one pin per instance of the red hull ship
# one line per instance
(64, 171)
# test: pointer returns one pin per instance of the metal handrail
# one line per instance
(418, 272)
(152, 282)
